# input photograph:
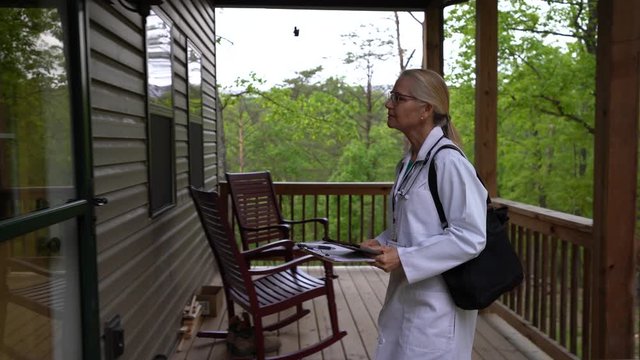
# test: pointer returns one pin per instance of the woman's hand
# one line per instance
(370, 243)
(389, 260)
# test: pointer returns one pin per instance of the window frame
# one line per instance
(195, 141)
(166, 114)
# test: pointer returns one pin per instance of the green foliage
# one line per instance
(308, 131)
(546, 105)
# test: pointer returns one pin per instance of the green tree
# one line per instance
(545, 100)
(308, 131)
(375, 46)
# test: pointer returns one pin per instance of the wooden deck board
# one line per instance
(364, 331)
(308, 330)
(335, 351)
(359, 298)
(498, 342)
(363, 304)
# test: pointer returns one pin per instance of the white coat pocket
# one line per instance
(428, 323)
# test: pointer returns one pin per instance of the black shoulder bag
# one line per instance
(478, 282)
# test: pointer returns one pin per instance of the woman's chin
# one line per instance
(391, 123)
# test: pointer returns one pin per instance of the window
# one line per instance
(36, 153)
(160, 125)
(196, 153)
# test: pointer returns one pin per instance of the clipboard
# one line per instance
(354, 247)
(337, 252)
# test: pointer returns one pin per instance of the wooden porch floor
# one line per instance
(359, 297)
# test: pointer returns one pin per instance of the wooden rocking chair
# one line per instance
(258, 214)
(266, 291)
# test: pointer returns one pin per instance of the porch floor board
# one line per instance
(359, 296)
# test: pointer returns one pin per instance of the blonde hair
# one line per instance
(430, 87)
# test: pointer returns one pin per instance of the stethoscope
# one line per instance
(406, 184)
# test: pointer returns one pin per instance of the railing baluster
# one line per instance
(586, 314)
(304, 216)
(326, 212)
(513, 294)
(544, 298)
(373, 216)
(292, 215)
(350, 207)
(529, 273)
(554, 289)
(521, 289)
(537, 278)
(362, 236)
(573, 314)
(338, 215)
(315, 215)
(384, 211)
(563, 293)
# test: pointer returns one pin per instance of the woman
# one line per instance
(419, 319)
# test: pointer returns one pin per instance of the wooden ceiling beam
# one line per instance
(367, 5)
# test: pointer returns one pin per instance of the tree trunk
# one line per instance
(400, 52)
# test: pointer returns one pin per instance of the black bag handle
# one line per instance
(433, 184)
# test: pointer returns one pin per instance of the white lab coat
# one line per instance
(419, 319)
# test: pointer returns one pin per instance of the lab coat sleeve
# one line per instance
(463, 200)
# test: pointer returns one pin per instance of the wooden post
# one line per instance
(616, 146)
(434, 36)
(486, 112)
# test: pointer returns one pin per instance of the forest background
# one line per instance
(331, 130)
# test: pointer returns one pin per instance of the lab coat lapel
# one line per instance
(431, 140)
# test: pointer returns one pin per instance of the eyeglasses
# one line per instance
(396, 97)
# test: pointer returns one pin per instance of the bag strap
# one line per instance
(433, 184)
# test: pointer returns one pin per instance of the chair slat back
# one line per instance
(255, 205)
(232, 265)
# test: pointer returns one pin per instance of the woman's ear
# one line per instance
(427, 110)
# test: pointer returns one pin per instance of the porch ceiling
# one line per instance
(373, 5)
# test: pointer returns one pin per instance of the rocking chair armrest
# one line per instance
(282, 227)
(285, 243)
(286, 266)
(323, 221)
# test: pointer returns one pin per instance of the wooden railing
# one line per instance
(551, 307)
(356, 211)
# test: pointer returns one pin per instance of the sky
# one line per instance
(262, 41)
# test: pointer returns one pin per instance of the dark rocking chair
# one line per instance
(258, 214)
(266, 291)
